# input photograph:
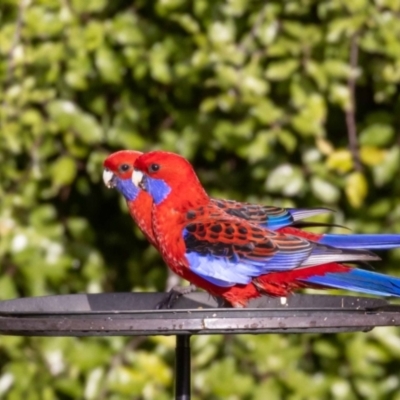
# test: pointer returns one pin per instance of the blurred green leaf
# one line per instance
(372, 155)
(285, 179)
(325, 191)
(340, 160)
(385, 171)
(109, 65)
(356, 189)
(63, 171)
(281, 70)
(377, 135)
(219, 373)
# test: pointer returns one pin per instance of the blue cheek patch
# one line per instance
(157, 189)
(127, 189)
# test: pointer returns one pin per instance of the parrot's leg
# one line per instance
(173, 295)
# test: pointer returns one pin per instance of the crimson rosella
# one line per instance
(118, 168)
(238, 260)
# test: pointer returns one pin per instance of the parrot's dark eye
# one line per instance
(124, 167)
(154, 167)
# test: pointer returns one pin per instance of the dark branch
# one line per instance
(11, 55)
(351, 111)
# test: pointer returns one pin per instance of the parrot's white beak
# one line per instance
(138, 178)
(108, 178)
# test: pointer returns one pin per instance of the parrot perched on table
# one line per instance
(118, 168)
(239, 260)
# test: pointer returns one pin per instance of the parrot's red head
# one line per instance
(119, 164)
(162, 174)
(118, 169)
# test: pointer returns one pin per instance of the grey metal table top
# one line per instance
(110, 314)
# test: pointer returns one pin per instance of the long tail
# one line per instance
(349, 241)
(358, 280)
(332, 275)
(362, 241)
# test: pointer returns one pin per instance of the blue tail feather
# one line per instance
(362, 241)
(359, 280)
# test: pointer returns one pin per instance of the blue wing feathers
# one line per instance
(278, 222)
(220, 271)
(291, 215)
(360, 281)
(228, 271)
(232, 260)
(362, 241)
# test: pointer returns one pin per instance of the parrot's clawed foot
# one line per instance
(173, 295)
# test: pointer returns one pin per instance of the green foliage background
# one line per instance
(261, 96)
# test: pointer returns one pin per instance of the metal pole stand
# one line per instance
(130, 314)
(182, 367)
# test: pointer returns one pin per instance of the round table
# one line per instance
(129, 314)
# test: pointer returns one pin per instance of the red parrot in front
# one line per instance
(118, 168)
(238, 260)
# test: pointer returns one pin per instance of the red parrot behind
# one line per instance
(238, 260)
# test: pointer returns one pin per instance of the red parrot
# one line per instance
(118, 168)
(238, 260)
